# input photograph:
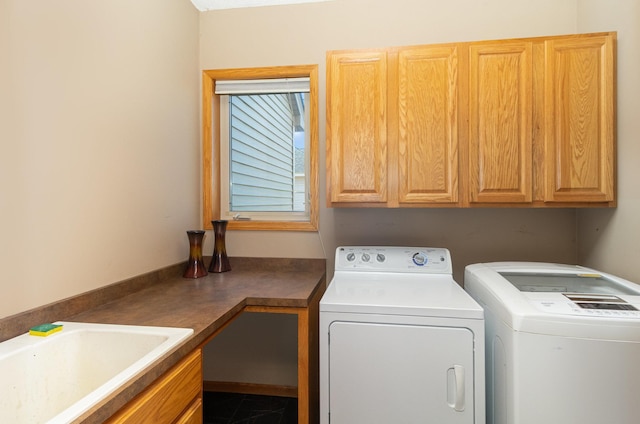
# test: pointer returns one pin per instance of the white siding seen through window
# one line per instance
(264, 159)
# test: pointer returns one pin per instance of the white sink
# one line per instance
(57, 378)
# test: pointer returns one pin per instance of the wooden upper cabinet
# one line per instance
(427, 125)
(579, 145)
(357, 126)
(392, 126)
(523, 122)
(500, 114)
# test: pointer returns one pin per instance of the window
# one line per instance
(260, 136)
(263, 149)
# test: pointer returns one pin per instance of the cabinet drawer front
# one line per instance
(164, 400)
(193, 415)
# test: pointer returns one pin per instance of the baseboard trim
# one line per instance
(250, 388)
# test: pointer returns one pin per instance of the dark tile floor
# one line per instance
(233, 408)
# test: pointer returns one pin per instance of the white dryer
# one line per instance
(563, 343)
(400, 340)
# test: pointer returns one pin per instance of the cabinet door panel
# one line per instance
(357, 126)
(427, 125)
(579, 117)
(500, 114)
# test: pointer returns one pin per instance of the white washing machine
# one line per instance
(563, 343)
(400, 341)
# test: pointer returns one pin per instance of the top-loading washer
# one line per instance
(563, 343)
(400, 340)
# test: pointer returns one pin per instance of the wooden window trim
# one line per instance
(211, 145)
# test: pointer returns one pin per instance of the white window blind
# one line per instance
(263, 86)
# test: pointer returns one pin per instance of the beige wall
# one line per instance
(99, 138)
(610, 239)
(301, 34)
(99, 150)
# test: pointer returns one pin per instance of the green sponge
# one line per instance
(43, 330)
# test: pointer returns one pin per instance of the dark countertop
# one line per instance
(205, 304)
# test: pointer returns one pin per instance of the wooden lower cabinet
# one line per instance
(174, 398)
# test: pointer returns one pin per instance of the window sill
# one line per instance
(267, 226)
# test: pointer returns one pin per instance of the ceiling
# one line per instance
(204, 5)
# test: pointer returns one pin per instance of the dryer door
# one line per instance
(390, 373)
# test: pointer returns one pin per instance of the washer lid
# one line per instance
(399, 294)
(580, 281)
(544, 301)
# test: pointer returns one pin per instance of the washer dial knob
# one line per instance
(419, 259)
(380, 257)
(351, 256)
(365, 257)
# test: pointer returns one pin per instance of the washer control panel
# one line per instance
(588, 305)
(435, 260)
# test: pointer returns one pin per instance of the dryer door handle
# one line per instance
(455, 388)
